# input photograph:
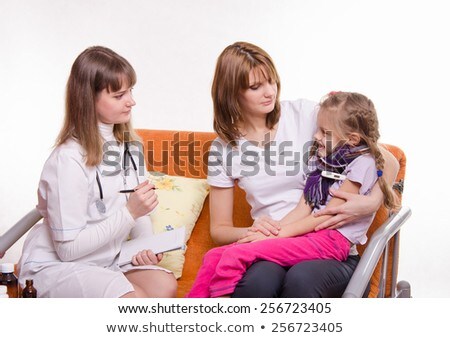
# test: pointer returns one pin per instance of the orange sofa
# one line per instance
(184, 153)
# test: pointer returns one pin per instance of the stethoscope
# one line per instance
(126, 153)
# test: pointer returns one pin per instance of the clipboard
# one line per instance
(159, 243)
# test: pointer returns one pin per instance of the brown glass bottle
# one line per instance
(9, 279)
(29, 291)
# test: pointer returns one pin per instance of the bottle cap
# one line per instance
(3, 289)
(7, 267)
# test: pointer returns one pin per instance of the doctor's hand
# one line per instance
(355, 207)
(146, 257)
(143, 200)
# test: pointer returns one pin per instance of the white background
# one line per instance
(395, 52)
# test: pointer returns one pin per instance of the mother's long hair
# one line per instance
(232, 77)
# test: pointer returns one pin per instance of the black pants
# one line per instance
(309, 279)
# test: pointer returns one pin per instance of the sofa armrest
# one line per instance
(375, 248)
(19, 229)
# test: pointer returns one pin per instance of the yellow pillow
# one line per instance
(180, 203)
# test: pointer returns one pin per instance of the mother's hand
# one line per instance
(355, 207)
(266, 225)
(253, 236)
(263, 227)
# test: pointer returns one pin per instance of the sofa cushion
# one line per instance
(180, 203)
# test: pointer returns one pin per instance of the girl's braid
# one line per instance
(361, 117)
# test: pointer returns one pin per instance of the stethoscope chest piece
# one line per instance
(100, 206)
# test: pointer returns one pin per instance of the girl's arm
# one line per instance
(300, 221)
(310, 222)
(357, 206)
(301, 211)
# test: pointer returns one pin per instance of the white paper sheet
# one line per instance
(158, 243)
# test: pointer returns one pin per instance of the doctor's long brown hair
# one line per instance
(94, 69)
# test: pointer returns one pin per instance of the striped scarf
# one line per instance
(317, 186)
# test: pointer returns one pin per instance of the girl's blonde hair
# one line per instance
(232, 77)
(95, 69)
(355, 113)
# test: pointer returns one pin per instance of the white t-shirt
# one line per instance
(272, 177)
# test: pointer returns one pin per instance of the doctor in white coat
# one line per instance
(73, 253)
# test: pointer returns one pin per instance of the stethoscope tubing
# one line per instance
(126, 152)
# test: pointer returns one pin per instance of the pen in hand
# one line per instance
(126, 191)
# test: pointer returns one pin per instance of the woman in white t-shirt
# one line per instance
(262, 145)
(74, 252)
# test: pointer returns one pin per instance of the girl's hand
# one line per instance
(143, 200)
(355, 207)
(266, 225)
(146, 257)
